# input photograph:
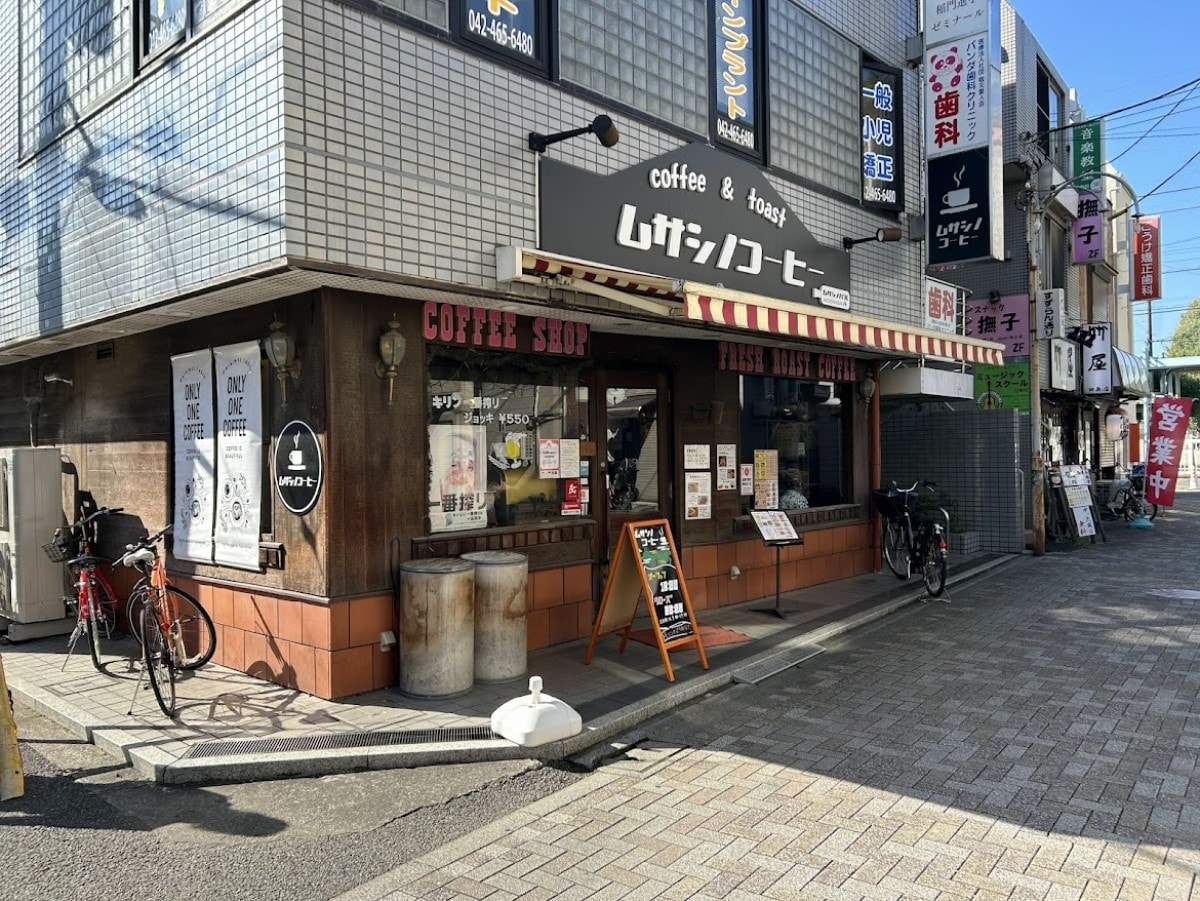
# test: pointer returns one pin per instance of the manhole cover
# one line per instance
(1179, 594)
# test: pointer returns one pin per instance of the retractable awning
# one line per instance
(716, 306)
(1133, 375)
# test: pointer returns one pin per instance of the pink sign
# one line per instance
(1168, 426)
(1147, 260)
(1005, 320)
(1089, 232)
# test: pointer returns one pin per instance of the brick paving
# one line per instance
(1035, 739)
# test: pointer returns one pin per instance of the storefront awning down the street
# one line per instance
(1133, 377)
(752, 313)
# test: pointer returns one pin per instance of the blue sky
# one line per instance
(1117, 54)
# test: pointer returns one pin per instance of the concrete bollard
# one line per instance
(501, 614)
(437, 627)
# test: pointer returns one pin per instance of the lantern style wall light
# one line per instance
(280, 348)
(866, 388)
(391, 351)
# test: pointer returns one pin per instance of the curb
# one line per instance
(158, 764)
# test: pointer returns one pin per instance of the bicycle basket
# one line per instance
(62, 547)
(890, 504)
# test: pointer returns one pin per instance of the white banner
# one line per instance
(1096, 357)
(192, 390)
(239, 454)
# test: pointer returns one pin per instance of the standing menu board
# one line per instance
(646, 564)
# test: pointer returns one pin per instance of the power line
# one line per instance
(1157, 122)
(1123, 109)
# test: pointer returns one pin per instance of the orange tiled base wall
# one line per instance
(332, 650)
(826, 555)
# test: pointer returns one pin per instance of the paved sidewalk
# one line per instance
(233, 727)
(1037, 739)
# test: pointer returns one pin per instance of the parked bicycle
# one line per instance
(175, 632)
(94, 601)
(1129, 500)
(913, 541)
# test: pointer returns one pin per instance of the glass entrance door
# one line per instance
(636, 459)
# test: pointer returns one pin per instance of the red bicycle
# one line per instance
(94, 603)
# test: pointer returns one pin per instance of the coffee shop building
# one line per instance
(330, 319)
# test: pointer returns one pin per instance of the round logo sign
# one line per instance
(298, 470)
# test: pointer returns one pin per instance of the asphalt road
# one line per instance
(87, 828)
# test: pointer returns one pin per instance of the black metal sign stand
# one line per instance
(779, 546)
(778, 532)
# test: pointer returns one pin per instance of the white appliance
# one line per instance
(31, 587)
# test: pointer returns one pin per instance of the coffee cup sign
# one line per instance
(298, 469)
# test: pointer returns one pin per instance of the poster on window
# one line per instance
(766, 479)
(727, 467)
(195, 460)
(457, 477)
(698, 495)
(239, 454)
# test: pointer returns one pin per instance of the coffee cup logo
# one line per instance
(957, 197)
(296, 456)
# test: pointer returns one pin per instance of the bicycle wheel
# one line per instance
(156, 657)
(133, 610)
(934, 571)
(197, 634)
(107, 606)
(1150, 509)
(95, 625)
(895, 549)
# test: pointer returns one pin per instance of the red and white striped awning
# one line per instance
(718, 306)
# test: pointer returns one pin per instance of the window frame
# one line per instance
(544, 63)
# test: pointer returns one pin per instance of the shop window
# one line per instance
(803, 421)
(503, 447)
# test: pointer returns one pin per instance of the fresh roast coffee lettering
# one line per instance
(557, 337)
(795, 364)
(832, 368)
(456, 324)
(739, 357)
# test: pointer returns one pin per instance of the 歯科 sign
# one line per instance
(646, 564)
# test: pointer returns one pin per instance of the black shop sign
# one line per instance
(298, 468)
(696, 214)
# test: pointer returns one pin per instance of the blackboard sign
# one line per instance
(646, 564)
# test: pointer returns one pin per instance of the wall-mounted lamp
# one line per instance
(602, 127)
(391, 351)
(51, 377)
(866, 388)
(881, 235)
(281, 351)
(993, 296)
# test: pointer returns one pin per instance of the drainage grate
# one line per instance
(341, 740)
(756, 672)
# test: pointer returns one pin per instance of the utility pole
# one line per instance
(1037, 468)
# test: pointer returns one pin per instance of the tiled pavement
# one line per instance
(1038, 738)
(232, 727)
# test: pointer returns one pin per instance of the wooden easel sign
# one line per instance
(647, 564)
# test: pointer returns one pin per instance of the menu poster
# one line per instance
(195, 455)
(698, 495)
(727, 467)
(774, 525)
(746, 476)
(696, 456)
(766, 479)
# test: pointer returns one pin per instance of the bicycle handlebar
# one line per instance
(148, 541)
(932, 486)
(103, 511)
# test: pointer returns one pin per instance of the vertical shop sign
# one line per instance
(1064, 365)
(1051, 313)
(940, 301)
(1090, 237)
(195, 460)
(1087, 153)
(239, 454)
(1005, 320)
(961, 100)
(1147, 259)
(880, 111)
(1168, 429)
(1095, 356)
(739, 102)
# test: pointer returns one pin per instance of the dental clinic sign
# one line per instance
(695, 214)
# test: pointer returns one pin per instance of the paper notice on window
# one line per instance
(549, 458)
(766, 479)
(727, 467)
(746, 473)
(568, 458)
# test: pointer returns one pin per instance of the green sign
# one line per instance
(1002, 387)
(1087, 151)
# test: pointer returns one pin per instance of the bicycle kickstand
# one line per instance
(136, 686)
(71, 642)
